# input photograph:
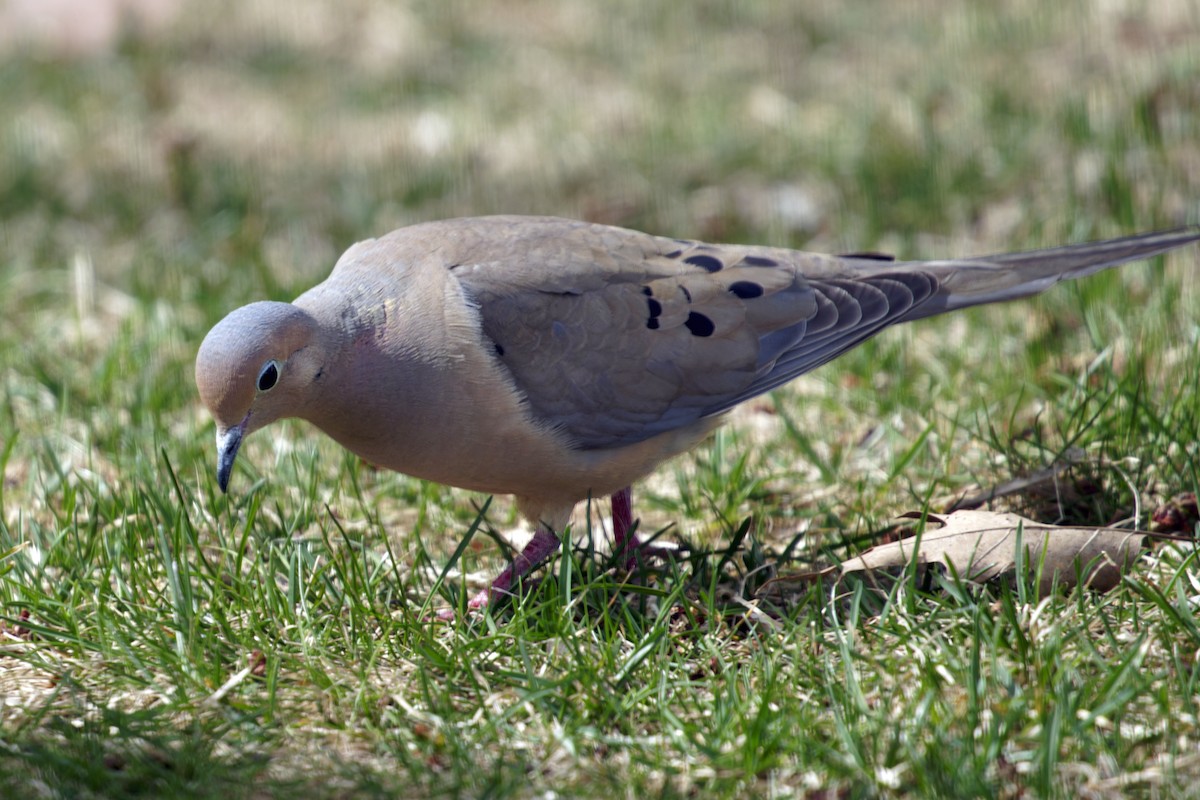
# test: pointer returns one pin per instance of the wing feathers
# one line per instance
(614, 336)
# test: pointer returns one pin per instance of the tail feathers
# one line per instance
(1009, 276)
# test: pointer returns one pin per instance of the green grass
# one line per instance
(161, 639)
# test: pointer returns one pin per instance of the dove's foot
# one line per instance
(540, 547)
(627, 547)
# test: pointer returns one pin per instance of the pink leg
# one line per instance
(625, 545)
(543, 543)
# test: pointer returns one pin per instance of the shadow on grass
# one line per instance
(121, 754)
(157, 753)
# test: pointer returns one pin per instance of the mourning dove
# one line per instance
(557, 360)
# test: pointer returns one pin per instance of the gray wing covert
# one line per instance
(673, 331)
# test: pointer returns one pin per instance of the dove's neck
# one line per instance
(407, 384)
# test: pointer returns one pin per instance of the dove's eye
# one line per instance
(269, 376)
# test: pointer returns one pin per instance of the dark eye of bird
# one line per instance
(269, 376)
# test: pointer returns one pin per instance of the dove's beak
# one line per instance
(229, 441)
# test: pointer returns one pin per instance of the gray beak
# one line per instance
(229, 441)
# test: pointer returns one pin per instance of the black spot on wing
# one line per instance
(673, 254)
(869, 255)
(655, 309)
(708, 263)
(699, 324)
(746, 290)
(759, 261)
(848, 313)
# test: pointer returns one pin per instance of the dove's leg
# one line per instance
(543, 543)
(624, 544)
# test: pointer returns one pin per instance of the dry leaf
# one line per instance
(982, 546)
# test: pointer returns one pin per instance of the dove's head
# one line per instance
(257, 365)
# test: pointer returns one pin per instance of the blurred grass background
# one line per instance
(163, 162)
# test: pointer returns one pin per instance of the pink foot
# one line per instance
(625, 545)
(540, 547)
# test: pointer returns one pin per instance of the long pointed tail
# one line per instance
(1008, 276)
